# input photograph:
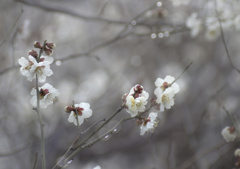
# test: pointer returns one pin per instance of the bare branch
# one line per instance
(9, 31)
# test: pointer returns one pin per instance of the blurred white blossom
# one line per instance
(229, 134)
(180, 2)
(236, 22)
(149, 124)
(194, 24)
(237, 152)
(97, 167)
(47, 95)
(81, 111)
(212, 32)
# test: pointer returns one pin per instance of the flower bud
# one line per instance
(51, 45)
(68, 109)
(33, 53)
(48, 51)
(138, 89)
(37, 44)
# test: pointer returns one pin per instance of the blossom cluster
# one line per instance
(136, 100)
(225, 11)
(38, 66)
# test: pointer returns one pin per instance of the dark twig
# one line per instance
(224, 41)
(9, 31)
(194, 159)
(53, 8)
(35, 161)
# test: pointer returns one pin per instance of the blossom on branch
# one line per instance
(229, 134)
(31, 67)
(136, 100)
(165, 91)
(149, 124)
(47, 95)
(78, 113)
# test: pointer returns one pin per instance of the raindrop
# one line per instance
(58, 62)
(166, 34)
(107, 137)
(160, 35)
(62, 163)
(134, 22)
(69, 162)
(159, 3)
(153, 35)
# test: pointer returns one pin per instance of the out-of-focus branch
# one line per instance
(35, 161)
(8, 69)
(126, 31)
(224, 41)
(45, 5)
(194, 159)
(5, 154)
(9, 31)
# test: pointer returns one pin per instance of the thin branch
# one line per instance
(76, 147)
(204, 112)
(224, 41)
(194, 159)
(111, 131)
(35, 161)
(5, 154)
(41, 127)
(119, 36)
(182, 72)
(8, 69)
(53, 8)
(234, 122)
(39, 114)
(9, 31)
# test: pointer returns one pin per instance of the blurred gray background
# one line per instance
(109, 56)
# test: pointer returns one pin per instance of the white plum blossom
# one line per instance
(180, 2)
(47, 95)
(194, 24)
(237, 152)
(136, 100)
(165, 90)
(97, 167)
(149, 124)
(80, 112)
(229, 134)
(31, 67)
(236, 22)
(167, 82)
(213, 29)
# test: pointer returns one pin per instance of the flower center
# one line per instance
(79, 111)
(165, 99)
(43, 92)
(165, 85)
(28, 67)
